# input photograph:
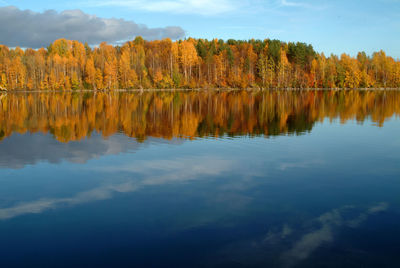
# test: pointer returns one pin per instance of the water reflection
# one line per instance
(148, 174)
(74, 116)
(336, 218)
(166, 198)
(19, 150)
(293, 244)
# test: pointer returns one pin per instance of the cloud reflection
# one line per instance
(286, 245)
(300, 164)
(310, 241)
(38, 206)
(19, 150)
(178, 170)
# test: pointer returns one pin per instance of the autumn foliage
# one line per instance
(74, 116)
(191, 63)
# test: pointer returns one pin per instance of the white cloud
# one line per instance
(292, 3)
(202, 7)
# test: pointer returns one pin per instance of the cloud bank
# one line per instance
(26, 28)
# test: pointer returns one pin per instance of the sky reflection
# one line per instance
(150, 174)
(107, 196)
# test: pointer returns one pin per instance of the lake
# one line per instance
(229, 178)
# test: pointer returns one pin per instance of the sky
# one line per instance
(339, 26)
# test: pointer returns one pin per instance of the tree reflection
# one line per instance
(188, 114)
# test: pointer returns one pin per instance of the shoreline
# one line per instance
(197, 89)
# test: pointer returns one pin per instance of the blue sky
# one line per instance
(330, 26)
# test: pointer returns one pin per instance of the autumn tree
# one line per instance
(66, 65)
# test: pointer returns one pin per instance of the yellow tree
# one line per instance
(99, 79)
(283, 69)
(352, 71)
(128, 77)
(90, 73)
(17, 73)
(188, 58)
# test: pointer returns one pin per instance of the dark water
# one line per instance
(200, 179)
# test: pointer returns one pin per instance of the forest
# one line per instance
(73, 116)
(191, 63)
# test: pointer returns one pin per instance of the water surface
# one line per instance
(200, 179)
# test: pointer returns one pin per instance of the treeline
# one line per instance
(74, 116)
(191, 63)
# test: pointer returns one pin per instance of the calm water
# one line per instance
(200, 179)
